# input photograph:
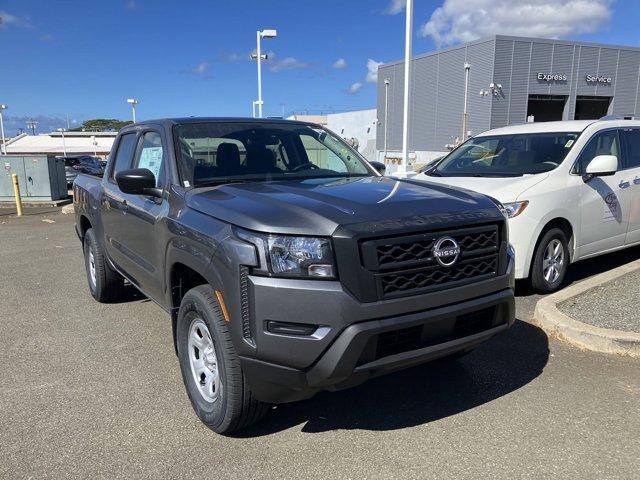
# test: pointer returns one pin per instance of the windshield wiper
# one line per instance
(222, 181)
(433, 173)
(499, 174)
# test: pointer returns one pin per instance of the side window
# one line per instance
(631, 142)
(151, 156)
(321, 156)
(124, 154)
(605, 143)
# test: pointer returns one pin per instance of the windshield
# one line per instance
(223, 152)
(507, 155)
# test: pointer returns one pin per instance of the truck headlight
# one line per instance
(513, 209)
(292, 256)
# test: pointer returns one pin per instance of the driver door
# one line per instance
(604, 201)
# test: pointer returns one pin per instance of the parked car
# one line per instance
(571, 189)
(81, 164)
(289, 265)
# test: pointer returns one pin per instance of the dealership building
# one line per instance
(505, 81)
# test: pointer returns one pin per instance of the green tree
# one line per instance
(102, 125)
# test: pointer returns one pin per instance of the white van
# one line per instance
(570, 189)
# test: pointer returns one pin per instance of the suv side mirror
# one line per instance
(379, 166)
(601, 166)
(138, 181)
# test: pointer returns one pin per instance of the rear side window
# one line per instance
(124, 154)
(631, 142)
(151, 156)
(605, 143)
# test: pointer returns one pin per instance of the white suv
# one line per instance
(571, 189)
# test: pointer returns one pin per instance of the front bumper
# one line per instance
(359, 341)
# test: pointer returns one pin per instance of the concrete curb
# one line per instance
(67, 209)
(557, 324)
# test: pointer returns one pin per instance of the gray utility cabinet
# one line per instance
(41, 177)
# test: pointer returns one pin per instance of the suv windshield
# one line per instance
(223, 152)
(507, 155)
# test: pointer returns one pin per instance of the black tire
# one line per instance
(233, 406)
(107, 286)
(538, 280)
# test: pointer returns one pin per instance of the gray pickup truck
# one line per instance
(288, 264)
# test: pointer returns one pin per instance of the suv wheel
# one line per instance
(550, 261)
(105, 284)
(211, 368)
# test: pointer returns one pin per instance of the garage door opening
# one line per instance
(546, 108)
(591, 108)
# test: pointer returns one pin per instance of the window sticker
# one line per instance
(569, 143)
(151, 158)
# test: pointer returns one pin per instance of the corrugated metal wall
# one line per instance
(437, 97)
(518, 61)
(438, 86)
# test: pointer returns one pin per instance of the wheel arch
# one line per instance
(563, 224)
(84, 224)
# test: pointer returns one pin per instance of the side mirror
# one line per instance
(601, 166)
(379, 166)
(138, 181)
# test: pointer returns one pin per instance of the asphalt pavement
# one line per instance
(94, 391)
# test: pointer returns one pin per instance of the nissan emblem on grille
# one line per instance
(446, 251)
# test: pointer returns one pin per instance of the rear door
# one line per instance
(114, 202)
(605, 201)
(630, 138)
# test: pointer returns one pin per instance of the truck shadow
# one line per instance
(421, 394)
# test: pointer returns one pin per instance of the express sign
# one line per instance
(551, 77)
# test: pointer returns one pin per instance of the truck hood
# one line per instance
(504, 189)
(319, 206)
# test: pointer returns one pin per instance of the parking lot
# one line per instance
(95, 390)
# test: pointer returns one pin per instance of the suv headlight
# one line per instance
(292, 256)
(514, 209)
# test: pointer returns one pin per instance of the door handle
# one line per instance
(636, 181)
(624, 184)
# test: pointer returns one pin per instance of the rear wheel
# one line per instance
(105, 284)
(210, 367)
(550, 261)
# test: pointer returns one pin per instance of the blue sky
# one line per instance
(83, 59)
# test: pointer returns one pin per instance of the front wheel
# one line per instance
(210, 367)
(550, 261)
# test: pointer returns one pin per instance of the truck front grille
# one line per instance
(435, 276)
(407, 266)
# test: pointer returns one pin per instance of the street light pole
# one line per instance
(260, 34)
(133, 102)
(259, 58)
(465, 113)
(64, 145)
(386, 114)
(402, 170)
(4, 145)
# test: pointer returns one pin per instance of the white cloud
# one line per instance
(395, 7)
(287, 63)
(201, 68)
(340, 63)
(354, 87)
(7, 19)
(372, 70)
(465, 20)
